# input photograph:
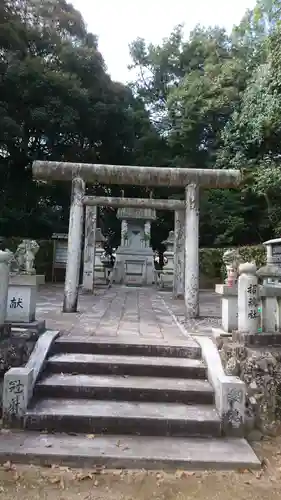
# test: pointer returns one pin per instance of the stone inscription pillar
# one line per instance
(191, 289)
(179, 259)
(248, 298)
(89, 248)
(75, 230)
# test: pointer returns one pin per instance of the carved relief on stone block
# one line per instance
(232, 416)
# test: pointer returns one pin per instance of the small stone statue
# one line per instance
(22, 261)
(231, 260)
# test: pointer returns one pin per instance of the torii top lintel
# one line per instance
(140, 176)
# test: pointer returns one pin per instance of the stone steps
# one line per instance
(94, 345)
(127, 452)
(126, 365)
(154, 399)
(128, 388)
(123, 417)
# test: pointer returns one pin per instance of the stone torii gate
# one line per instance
(190, 179)
(177, 206)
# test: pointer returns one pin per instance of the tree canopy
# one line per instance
(209, 101)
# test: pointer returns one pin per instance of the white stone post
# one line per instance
(191, 289)
(89, 248)
(248, 298)
(229, 307)
(179, 261)
(74, 246)
(4, 284)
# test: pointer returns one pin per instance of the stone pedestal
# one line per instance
(21, 303)
(268, 300)
(134, 268)
(22, 294)
(229, 303)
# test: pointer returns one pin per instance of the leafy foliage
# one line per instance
(251, 138)
(57, 102)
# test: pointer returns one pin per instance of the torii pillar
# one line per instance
(89, 248)
(179, 254)
(75, 231)
(191, 290)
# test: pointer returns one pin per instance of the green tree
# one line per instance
(251, 138)
(191, 89)
(57, 102)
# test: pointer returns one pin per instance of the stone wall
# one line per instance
(15, 351)
(260, 369)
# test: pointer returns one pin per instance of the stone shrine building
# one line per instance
(134, 256)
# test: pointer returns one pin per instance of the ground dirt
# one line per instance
(61, 483)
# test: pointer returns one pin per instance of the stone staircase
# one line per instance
(129, 405)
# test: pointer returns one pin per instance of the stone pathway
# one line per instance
(122, 312)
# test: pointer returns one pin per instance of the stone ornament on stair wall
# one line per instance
(22, 261)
